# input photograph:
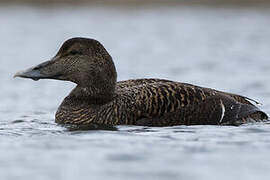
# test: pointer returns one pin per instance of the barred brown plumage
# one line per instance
(99, 99)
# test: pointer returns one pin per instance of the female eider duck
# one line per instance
(99, 99)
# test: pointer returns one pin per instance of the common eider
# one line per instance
(99, 100)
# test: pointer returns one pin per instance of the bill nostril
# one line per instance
(36, 68)
(42, 65)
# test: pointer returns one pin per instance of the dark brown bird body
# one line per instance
(99, 100)
(155, 102)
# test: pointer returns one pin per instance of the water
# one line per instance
(223, 48)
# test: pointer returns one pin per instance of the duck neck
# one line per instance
(92, 95)
(98, 86)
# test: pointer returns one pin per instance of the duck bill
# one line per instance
(38, 72)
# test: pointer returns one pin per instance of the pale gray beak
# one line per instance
(38, 72)
(29, 73)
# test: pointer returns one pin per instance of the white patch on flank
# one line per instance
(223, 111)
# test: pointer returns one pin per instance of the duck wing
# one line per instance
(215, 110)
(167, 103)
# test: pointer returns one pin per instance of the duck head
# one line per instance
(80, 60)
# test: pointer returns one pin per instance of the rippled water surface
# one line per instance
(223, 48)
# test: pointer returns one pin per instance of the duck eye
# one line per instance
(74, 52)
